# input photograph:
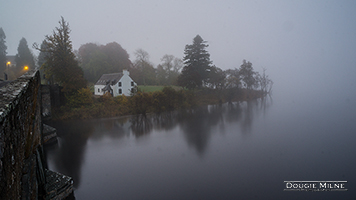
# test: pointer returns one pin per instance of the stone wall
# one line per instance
(21, 174)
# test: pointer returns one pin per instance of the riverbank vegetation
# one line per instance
(84, 105)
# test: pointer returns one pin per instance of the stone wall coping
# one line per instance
(12, 92)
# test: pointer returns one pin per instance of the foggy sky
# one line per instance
(311, 43)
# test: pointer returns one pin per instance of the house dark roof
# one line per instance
(107, 88)
(111, 78)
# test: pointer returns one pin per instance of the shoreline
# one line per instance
(115, 107)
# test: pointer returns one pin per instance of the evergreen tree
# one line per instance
(3, 52)
(196, 64)
(42, 56)
(23, 58)
(61, 66)
(41, 59)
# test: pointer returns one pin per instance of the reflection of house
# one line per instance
(117, 84)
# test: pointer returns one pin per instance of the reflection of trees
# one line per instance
(70, 153)
(266, 102)
(198, 124)
(216, 115)
(246, 122)
(165, 121)
(234, 112)
(141, 125)
(114, 128)
(196, 128)
(251, 110)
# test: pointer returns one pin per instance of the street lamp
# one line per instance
(7, 69)
(25, 68)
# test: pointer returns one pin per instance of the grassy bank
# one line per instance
(155, 88)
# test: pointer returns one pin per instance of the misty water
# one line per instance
(233, 151)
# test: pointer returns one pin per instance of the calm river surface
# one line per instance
(238, 151)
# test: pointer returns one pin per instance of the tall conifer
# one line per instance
(61, 65)
(197, 64)
(24, 57)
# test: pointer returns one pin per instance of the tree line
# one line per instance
(61, 64)
(194, 71)
(199, 72)
(24, 59)
(72, 70)
(96, 59)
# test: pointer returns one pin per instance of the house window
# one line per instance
(120, 91)
(132, 83)
(119, 84)
(98, 89)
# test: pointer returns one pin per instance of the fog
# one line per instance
(307, 47)
(304, 131)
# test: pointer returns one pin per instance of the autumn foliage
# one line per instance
(83, 105)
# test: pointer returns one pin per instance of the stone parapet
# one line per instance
(20, 136)
(23, 174)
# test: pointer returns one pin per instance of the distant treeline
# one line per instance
(72, 69)
(96, 60)
(194, 71)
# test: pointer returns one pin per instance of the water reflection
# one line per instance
(141, 125)
(165, 121)
(233, 113)
(266, 102)
(115, 129)
(248, 117)
(196, 126)
(68, 156)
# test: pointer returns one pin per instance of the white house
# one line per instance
(117, 84)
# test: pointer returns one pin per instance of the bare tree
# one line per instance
(264, 82)
(143, 70)
(169, 69)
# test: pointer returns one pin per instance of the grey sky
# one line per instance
(297, 41)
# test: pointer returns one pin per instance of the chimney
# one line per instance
(125, 72)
